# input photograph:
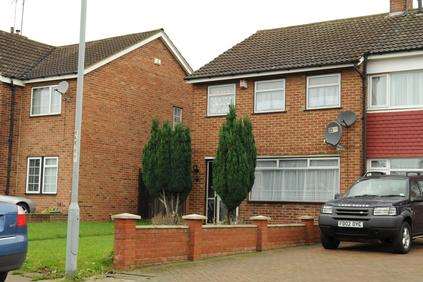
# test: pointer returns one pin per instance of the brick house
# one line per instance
(292, 82)
(129, 80)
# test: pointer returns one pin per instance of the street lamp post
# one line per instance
(73, 214)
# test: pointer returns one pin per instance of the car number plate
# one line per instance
(350, 224)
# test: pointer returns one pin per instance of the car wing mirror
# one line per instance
(337, 196)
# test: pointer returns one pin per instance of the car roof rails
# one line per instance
(374, 173)
(413, 173)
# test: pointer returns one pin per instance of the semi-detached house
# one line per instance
(292, 82)
(129, 80)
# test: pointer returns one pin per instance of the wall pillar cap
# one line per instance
(194, 217)
(127, 216)
(260, 218)
(307, 217)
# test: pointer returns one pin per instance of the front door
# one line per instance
(215, 209)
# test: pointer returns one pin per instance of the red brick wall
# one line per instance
(295, 132)
(45, 136)
(5, 99)
(400, 5)
(394, 134)
(156, 244)
(226, 240)
(120, 101)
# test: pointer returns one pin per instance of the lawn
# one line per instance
(47, 248)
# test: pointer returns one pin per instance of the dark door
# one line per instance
(416, 198)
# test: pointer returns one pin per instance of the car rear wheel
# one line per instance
(25, 207)
(3, 276)
(329, 243)
(402, 243)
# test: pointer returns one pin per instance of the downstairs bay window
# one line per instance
(296, 180)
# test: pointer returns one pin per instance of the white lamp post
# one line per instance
(73, 214)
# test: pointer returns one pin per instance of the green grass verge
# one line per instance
(47, 249)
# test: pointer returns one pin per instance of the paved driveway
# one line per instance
(352, 262)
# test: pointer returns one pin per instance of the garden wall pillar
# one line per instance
(195, 225)
(262, 223)
(309, 236)
(124, 245)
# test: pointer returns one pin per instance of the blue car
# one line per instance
(13, 238)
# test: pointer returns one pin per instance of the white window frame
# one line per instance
(44, 173)
(213, 95)
(173, 114)
(307, 167)
(387, 170)
(387, 106)
(283, 90)
(50, 113)
(27, 175)
(324, 85)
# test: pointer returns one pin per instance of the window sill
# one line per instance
(322, 109)
(46, 115)
(269, 113)
(216, 116)
(40, 194)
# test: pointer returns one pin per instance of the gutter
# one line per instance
(10, 137)
(363, 74)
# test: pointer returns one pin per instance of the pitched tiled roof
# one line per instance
(27, 59)
(319, 44)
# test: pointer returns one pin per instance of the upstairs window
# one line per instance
(45, 101)
(220, 97)
(396, 90)
(269, 96)
(324, 91)
(177, 115)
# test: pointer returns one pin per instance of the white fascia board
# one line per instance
(91, 68)
(395, 55)
(270, 73)
(9, 80)
(51, 78)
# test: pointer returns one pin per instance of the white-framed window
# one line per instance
(45, 101)
(219, 98)
(42, 175)
(397, 90)
(176, 115)
(50, 175)
(324, 91)
(269, 96)
(296, 180)
(396, 166)
(33, 175)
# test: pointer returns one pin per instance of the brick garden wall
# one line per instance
(296, 132)
(136, 246)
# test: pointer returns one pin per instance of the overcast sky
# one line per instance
(201, 29)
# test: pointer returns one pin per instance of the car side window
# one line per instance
(415, 191)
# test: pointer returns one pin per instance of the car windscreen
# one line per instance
(382, 187)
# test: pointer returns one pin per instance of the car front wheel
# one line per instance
(402, 243)
(329, 243)
(3, 276)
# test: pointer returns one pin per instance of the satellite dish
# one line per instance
(63, 87)
(346, 118)
(333, 133)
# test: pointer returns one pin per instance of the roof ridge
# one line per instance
(20, 36)
(323, 22)
(112, 37)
